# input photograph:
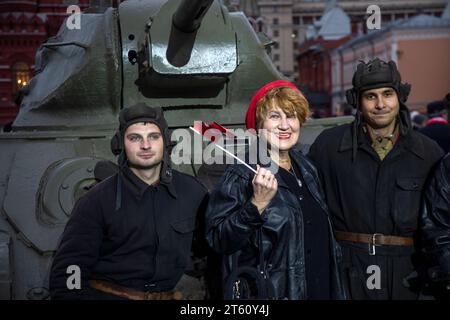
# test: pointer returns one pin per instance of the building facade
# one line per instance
(314, 57)
(24, 26)
(420, 46)
(287, 21)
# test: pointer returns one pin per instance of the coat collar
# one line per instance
(138, 187)
(294, 157)
(309, 176)
(363, 141)
(406, 141)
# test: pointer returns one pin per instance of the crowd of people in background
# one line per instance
(435, 125)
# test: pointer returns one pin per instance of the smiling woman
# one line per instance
(275, 223)
(281, 112)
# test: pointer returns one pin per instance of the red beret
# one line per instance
(250, 117)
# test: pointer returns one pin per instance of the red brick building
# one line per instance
(317, 70)
(314, 57)
(314, 61)
(418, 45)
(24, 26)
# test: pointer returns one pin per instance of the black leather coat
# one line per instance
(435, 220)
(232, 222)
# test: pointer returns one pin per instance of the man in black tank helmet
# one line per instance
(131, 234)
(373, 171)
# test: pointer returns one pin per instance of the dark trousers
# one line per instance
(391, 265)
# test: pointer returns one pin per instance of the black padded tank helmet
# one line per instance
(142, 113)
(373, 75)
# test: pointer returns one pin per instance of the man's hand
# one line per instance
(265, 187)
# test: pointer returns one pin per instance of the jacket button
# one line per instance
(308, 221)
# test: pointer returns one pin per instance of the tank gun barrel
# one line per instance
(189, 14)
(185, 22)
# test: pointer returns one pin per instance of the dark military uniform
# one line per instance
(145, 245)
(373, 189)
(129, 238)
(373, 196)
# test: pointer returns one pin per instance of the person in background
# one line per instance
(344, 109)
(437, 126)
(418, 120)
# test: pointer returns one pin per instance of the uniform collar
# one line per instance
(346, 140)
(406, 141)
(380, 140)
(138, 187)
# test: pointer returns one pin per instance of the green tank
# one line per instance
(194, 58)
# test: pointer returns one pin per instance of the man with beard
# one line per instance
(373, 172)
(130, 236)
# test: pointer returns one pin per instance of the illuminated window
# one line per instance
(21, 76)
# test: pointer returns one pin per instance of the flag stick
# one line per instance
(228, 152)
